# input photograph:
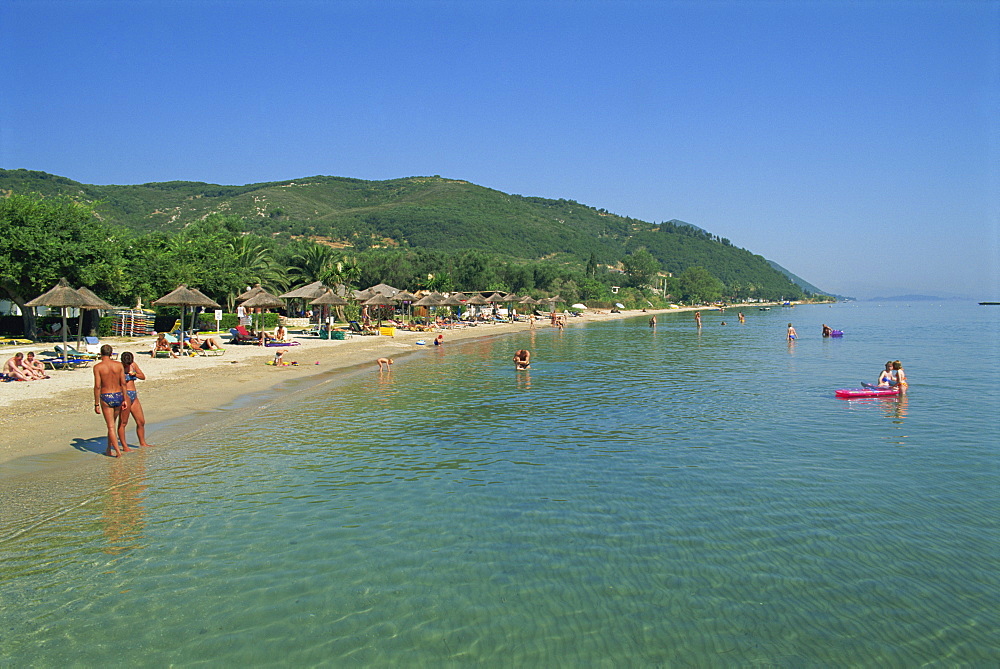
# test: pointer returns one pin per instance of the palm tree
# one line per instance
(255, 264)
(313, 264)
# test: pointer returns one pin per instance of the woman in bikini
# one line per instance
(132, 372)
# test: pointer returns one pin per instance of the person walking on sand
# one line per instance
(384, 361)
(792, 335)
(109, 396)
(134, 408)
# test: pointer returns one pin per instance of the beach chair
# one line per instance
(92, 344)
(240, 335)
(14, 341)
(68, 363)
(207, 352)
(71, 352)
(357, 329)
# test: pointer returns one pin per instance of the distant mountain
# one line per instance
(912, 298)
(420, 212)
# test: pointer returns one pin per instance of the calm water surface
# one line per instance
(639, 497)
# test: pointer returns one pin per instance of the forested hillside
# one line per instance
(426, 213)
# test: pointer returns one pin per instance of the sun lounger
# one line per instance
(240, 335)
(68, 363)
(14, 341)
(357, 329)
(209, 352)
(73, 353)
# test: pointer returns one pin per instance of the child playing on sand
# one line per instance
(279, 360)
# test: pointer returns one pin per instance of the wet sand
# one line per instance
(52, 422)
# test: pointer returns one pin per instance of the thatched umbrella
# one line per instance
(380, 300)
(93, 302)
(327, 298)
(263, 300)
(243, 297)
(451, 301)
(309, 291)
(184, 297)
(62, 296)
(384, 289)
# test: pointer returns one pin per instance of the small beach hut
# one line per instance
(61, 295)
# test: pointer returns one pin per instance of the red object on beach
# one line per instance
(849, 393)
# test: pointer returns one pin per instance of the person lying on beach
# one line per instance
(109, 396)
(134, 408)
(384, 361)
(522, 359)
(210, 343)
(15, 369)
(163, 345)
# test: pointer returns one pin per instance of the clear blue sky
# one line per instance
(855, 143)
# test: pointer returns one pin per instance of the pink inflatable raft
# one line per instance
(851, 393)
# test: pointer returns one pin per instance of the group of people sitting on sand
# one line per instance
(23, 367)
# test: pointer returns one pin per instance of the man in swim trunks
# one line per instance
(792, 335)
(109, 396)
(522, 359)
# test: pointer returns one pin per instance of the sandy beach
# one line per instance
(56, 415)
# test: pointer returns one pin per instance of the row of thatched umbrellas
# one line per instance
(63, 295)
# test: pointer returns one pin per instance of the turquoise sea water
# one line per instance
(639, 497)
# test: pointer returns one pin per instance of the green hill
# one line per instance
(416, 212)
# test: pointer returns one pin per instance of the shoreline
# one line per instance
(45, 419)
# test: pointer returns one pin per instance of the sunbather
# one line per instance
(15, 369)
(209, 343)
(163, 345)
(36, 366)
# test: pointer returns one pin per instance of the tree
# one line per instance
(42, 240)
(697, 285)
(640, 266)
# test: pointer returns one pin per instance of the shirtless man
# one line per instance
(792, 335)
(15, 368)
(384, 361)
(35, 365)
(109, 396)
(522, 359)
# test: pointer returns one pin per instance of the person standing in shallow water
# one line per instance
(697, 318)
(109, 396)
(134, 408)
(792, 335)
